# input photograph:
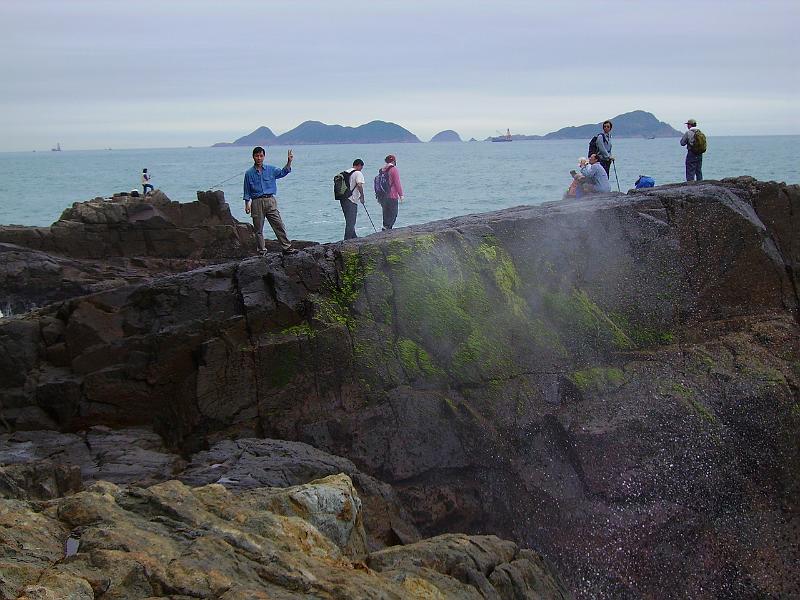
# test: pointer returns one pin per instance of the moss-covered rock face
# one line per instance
(452, 309)
(443, 309)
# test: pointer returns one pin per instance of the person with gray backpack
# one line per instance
(696, 145)
(601, 146)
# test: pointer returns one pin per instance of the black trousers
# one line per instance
(350, 211)
(390, 208)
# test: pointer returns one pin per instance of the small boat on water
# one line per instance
(57, 148)
(504, 138)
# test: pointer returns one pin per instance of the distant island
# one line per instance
(448, 135)
(260, 137)
(635, 124)
(314, 132)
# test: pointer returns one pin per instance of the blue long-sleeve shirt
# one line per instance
(257, 184)
(596, 175)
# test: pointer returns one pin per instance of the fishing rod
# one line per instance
(226, 180)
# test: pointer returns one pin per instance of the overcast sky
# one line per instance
(168, 73)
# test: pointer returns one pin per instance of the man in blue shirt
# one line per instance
(260, 200)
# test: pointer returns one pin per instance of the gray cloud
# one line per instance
(210, 71)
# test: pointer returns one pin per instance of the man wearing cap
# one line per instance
(694, 161)
(260, 200)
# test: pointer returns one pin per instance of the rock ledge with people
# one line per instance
(610, 382)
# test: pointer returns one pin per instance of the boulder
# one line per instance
(109, 243)
(248, 463)
(172, 540)
(153, 226)
(48, 464)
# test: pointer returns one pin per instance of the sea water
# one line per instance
(440, 180)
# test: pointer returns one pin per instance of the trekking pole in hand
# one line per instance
(370, 218)
(614, 164)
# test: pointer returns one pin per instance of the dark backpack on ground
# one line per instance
(644, 182)
(700, 144)
(341, 186)
(382, 184)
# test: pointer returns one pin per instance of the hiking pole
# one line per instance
(370, 218)
(614, 164)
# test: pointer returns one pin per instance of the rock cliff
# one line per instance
(153, 226)
(106, 243)
(613, 382)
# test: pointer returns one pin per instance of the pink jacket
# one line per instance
(396, 189)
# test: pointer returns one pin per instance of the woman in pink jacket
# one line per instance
(395, 195)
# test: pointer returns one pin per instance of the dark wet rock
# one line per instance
(154, 226)
(48, 464)
(39, 480)
(108, 243)
(33, 278)
(613, 382)
(170, 540)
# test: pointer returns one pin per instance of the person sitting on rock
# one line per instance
(596, 176)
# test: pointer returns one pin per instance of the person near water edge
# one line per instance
(146, 182)
(390, 204)
(694, 161)
(603, 140)
(261, 201)
(596, 176)
(350, 205)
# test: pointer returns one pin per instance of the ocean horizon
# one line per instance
(440, 179)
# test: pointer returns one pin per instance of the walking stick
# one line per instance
(370, 218)
(614, 164)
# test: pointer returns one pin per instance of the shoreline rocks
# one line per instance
(612, 381)
(206, 542)
(108, 243)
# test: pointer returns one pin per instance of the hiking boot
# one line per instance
(263, 252)
(290, 251)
